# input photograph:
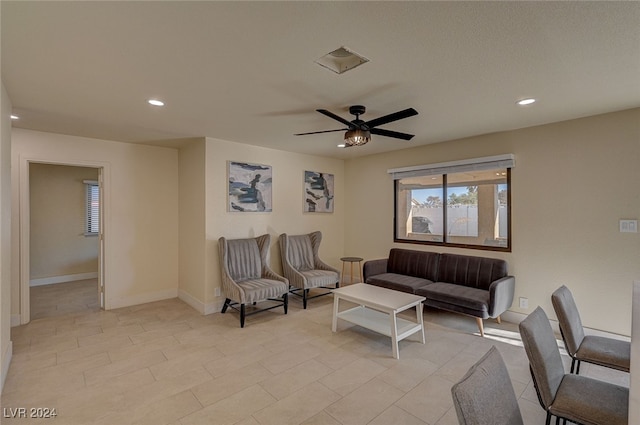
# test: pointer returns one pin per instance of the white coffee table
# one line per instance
(377, 310)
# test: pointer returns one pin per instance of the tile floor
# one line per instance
(163, 363)
(64, 298)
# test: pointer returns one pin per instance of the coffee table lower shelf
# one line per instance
(379, 322)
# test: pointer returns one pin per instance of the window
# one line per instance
(462, 203)
(92, 204)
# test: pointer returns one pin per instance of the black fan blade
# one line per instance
(392, 117)
(336, 117)
(324, 131)
(389, 133)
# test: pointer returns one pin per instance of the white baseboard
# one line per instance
(6, 361)
(148, 297)
(60, 279)
(202, 308)
(192, 301)
(214, 307)
(514, 317)
(15, 320)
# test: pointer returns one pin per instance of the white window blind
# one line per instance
(473, 164)
(92, 225)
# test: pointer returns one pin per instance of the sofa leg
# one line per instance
(499, 320)
(480, 326)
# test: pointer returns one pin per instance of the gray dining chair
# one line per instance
(247, 278)
(568, 396)
(303, 267)
(485, 395)
(603, 351)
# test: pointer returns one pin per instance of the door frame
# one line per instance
(104, 173)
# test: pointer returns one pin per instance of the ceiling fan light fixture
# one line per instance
(356, 137)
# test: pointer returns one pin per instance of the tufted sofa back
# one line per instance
(413, 263)
(476, 272)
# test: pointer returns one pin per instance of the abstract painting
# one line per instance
(249, 187)
(318, 192)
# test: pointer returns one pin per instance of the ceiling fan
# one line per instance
(358, 132)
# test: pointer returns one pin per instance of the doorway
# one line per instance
(62, 240)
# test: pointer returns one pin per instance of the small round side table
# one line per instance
(351, 260)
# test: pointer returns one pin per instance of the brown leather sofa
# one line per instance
(475, 286)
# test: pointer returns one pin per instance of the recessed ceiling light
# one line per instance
(15, 117)
(527, 101)
(342, 145)
(155, 102)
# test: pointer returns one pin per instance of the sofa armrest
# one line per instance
(501, 295)
(374, 267)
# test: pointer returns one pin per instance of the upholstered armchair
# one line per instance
(303, 267)
(246, 276)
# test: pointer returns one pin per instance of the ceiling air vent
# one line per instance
(341, 60)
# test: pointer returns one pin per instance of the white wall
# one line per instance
(140, 214)
(287, 215)
(5, 236)
(573, 181)
(58, 245)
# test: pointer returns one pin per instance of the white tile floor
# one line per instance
(163, 363)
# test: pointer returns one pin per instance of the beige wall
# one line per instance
(140, 211)
(192, 267)
(58, 246)
(286, 217)
(572, 183)
(5, 236)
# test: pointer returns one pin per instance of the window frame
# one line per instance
(451, 169)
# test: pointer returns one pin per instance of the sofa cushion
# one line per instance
(468, 300)
(420, 264)
(398, 282)
(475, 272)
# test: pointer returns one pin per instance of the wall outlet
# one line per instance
(524, 302)
(216, 292)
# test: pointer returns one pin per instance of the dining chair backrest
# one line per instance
(544, 356)
(485, 395)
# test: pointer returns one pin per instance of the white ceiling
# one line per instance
(245, 71)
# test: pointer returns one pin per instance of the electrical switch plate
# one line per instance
(216, 292)
(628, 226)
(524, 302)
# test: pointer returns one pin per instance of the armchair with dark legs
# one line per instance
(247, 278)
(303, 267)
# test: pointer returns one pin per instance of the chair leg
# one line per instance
(480, 326)
(575, 365)
(226, 305)
(242, 314)
(499, 320)
(285, 299)
(305, 292)
(548, 421)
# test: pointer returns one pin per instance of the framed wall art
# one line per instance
(318, 192)
(249, 187)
